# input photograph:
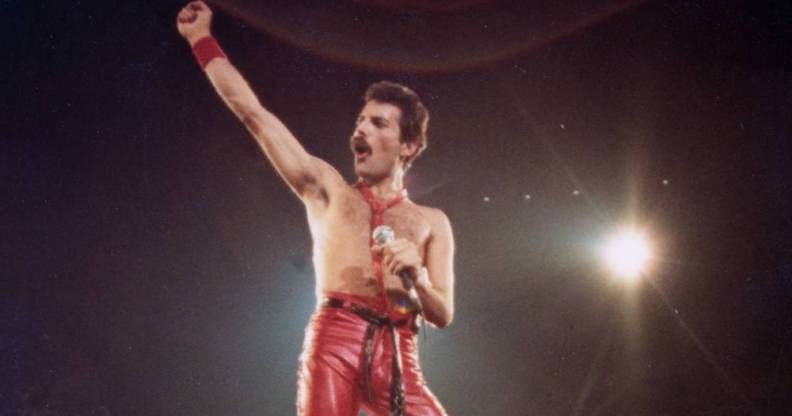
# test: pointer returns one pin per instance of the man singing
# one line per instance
(360, 349)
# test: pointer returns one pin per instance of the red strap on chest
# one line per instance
(377, 210)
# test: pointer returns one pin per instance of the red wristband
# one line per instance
(207, 49)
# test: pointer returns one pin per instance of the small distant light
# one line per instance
(575, 192)
(665, 181)
(563, 126)
(486, 199)
(527, 196)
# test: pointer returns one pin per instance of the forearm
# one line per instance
(438, 306)
(236, 93)
(233, 89)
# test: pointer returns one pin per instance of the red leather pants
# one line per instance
(330, 377)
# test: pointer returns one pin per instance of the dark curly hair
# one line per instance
(414, 116)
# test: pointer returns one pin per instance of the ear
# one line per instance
(407, 149)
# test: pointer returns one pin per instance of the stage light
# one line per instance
(627, 254)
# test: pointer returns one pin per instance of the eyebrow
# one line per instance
(376, 119)
(380, 119)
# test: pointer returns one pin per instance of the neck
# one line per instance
(387, 187)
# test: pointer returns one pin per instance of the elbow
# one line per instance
(252, 118)
(250, 113)
(444, 319)
(440, 324)
(448, 319)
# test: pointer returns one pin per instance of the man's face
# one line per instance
(375, 141)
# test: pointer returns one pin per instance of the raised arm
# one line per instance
(305, 174)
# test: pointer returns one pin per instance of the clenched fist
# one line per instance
(194, 21)
(400, 255)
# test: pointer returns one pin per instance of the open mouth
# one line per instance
(360, 147)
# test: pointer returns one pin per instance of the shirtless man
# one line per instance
(360, 349)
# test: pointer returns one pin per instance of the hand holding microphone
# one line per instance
(399, 257)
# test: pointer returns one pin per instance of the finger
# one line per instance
(186, 17)
(394, 246)
(387, 249)
(394, 267)
(387, 260)
(403, 247)
(404, 253)
(188, 13)
(399, 242)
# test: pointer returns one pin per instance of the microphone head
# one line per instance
(382, 235)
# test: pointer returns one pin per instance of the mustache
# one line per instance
(359, 145)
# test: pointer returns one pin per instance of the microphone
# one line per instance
(383, 235)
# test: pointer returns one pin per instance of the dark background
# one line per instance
(154, 264)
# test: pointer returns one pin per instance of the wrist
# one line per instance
(205, 49)
(194, 38)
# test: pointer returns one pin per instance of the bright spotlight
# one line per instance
(627, 254)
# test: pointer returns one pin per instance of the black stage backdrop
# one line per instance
(153, 263)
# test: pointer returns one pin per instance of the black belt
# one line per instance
(377, 321)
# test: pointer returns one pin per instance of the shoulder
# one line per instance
(328, 185)
(330, 175)
(437, 219)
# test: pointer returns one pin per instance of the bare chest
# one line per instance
(342, 241)
(353, 217)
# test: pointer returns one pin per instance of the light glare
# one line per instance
(627, 254)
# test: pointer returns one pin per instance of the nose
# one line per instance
(362, 128)
(359, 132)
